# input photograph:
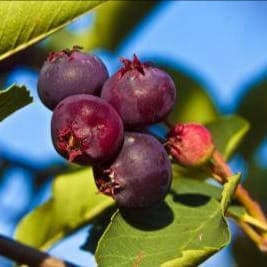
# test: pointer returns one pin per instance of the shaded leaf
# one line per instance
(99, 224)
(75, 201)
(228, 132)
(182, 231)
(193, 103)
(253, 107)
(23, 25)
(12, 99)
(113, 22)
(246, 254)
(228, 191)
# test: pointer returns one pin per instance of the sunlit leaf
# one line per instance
(183, 231)
(25, 24)
(75, 201)
(228, 132)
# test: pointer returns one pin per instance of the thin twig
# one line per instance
(32, 257)
(223, 170)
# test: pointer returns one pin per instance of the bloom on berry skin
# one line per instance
(141, 93)
(190, 144)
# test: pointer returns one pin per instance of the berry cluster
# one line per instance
(91, 113)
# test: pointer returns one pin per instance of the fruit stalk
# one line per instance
(220, 168)
(27, 255)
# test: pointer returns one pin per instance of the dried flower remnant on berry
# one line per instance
(69, 72)
(141, 93)
(139, 176)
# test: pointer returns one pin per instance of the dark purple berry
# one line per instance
(190, 144)
(141, 174)
(86, 129)
(70, 72)
(142, 94)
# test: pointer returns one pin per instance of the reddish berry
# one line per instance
(141, 174)
(190, 144)
(142, 94)
(70, 72)
(86, 129)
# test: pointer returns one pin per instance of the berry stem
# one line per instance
(221, 169)
(253, 235)
(27, 255)
(249, 220)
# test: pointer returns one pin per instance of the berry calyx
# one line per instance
(86, 130)
(69, 72)
(141, 93)
(136, 64)
(140, 176)
(190, 144)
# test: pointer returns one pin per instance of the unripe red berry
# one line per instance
(190, 144)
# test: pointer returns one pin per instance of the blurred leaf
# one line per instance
(184, 230)
(253, 107)
(246, 254)
(25, 24)
(113, 22)
(99, 224)
(193, 103)
(75, 201)
(12, 99)
(257, 183)
(228, 191)
(239, 213)
(228, 132)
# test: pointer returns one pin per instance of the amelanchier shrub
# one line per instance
(140, 177)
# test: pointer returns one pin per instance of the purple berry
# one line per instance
(141, 174)
(70, 72)
(141, 94)
(86, 129)
(190, 144)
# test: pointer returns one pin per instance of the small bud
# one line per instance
(190, 144)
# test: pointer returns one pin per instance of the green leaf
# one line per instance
(253, 107)
(193, 103)
(12, 99)
(229, 190)
(246, 254)
(25, 24)
(115, 20)
(228, 132)
(75, 201)
(182, 231)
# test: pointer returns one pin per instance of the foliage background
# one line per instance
(220, 44)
